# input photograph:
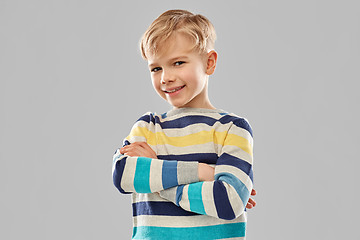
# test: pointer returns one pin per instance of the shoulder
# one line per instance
(237, 122)
(147, 118)
(141, 128)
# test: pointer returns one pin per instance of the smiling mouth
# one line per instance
(175, 89)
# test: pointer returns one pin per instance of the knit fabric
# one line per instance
(168, 200)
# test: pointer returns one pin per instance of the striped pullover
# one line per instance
(168, 200)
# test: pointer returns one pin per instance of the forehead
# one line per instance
(176, 45)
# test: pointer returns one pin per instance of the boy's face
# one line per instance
(179, 74)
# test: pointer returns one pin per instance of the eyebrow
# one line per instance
(170, 60)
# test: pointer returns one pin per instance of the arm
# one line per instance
(146, 174)
(225, 197)
(205, 172)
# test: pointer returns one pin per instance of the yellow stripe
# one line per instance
(240, 142)
(202, 137)
(138, 132)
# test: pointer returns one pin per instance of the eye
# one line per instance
(156, 69)
(178, 63)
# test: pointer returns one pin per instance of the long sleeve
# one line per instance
(146, 175)
(227, 195)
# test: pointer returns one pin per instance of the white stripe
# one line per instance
(182, 221)
(234, 199)
(209, 147)
(147, 197)
(142, 124)
(127, 180)
(169, 194)
(190, 129)
(208, 199)
(242, 133)
(184, 202)
(214, 115)
(137, 139)
(237, 152)
(193, 129)
(156, 176)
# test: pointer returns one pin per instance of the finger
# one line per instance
(145, 146)
(135, 151)
(252, 202)
(124, 149)
(148, 149)
(139, 149)
(249, 206)
(129, 150)
(132, 154)
(253, 192)
(138, 144)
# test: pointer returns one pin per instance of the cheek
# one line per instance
(194, 78)
(157, 86)
(155, 83)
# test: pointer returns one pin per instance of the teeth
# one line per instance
(174, 90)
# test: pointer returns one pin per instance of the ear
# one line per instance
(211, 62)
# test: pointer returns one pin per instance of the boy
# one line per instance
(189, 169)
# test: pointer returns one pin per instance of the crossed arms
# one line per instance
(223, 192)
(205, 172)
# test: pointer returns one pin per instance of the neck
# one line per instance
(200, 101)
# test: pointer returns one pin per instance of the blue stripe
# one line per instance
(227, 159)
(142, 175)
(169, 174)
(147, 118)
(239, 186)
(222, 203)
(187, 121)
(195, 197)
(194, 119)
(159, 208)
(230, 230)
(126, 142)
(239, 122)
(209, 158)
(117, 175)
(179, 192)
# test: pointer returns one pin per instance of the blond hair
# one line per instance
(196, 26)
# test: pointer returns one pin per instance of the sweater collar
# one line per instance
(176, 111)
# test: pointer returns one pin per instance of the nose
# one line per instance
(167, 77)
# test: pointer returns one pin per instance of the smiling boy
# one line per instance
(190, 169)
(180, 74)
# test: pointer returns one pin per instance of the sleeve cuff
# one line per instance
(187, 172)
(169, 194)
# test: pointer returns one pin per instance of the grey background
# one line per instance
(73, 83)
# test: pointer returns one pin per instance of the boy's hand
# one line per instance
(138, 149)
(251, 203)
(206, 172)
